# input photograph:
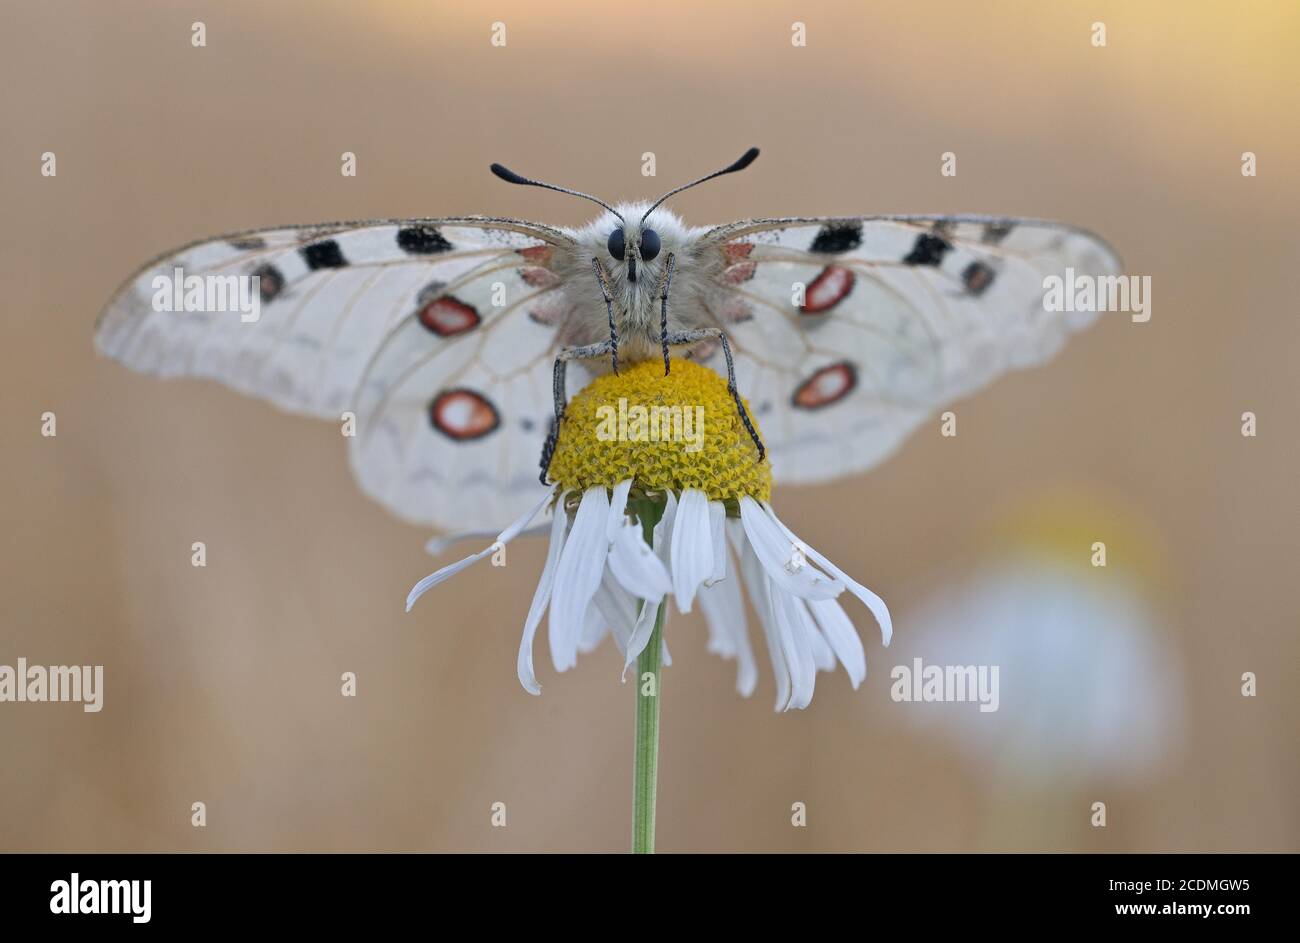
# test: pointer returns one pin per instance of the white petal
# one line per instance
(692, 547)
(577, 576)
(559, 522)
(645, 627)
(793, 634)
(636, 567)
(728, 632)
(758, 585)
(842, 637)
(447, 572)
(869, 599)
(823, 655)
(716, 602)
(619, 609)
(645, 623)
(717, 525)
(617, 509)
(437, 545)
(663, 535)
(776, 553)
(593, 630)
(665, 657)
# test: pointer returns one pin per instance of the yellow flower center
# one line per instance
(665, 432)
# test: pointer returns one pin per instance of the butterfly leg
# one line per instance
(586, 352)
(663, 307)
(716, 333)
(603, 279)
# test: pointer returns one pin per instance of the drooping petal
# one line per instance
(594, 628)
(793, 634)
(617, 509)
(717, 522)
(869, 599)
(728, 633)
(577, 576)
(437, 545)
(645, 627)
(619, 609)
(776, 552)
(663, 533)
(843, 638)
(692, 547)
(758, 586)
(716, 603)
(645, 622)
(636, 566)
(447, 572)
(823, 654)
(559, 523)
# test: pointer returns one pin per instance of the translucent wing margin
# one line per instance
(850, 332)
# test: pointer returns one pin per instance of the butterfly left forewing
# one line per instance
(850, 332)
(328, 296)
(379, 317)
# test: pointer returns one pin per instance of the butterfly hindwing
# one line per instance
(850, 332)
(455, 405)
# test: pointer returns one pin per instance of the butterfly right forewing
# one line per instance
(849, 332)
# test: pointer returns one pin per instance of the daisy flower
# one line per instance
(637, 516)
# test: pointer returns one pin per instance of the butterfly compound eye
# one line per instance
(616, 244)
(649, 244)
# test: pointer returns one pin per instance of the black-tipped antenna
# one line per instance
(509, 176)
(741, 163)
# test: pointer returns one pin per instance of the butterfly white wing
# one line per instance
(900, 316)
(451, 425)
(381, 317)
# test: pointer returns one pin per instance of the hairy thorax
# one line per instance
(636, 305)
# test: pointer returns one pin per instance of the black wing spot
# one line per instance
(270, 281)
(996, 232)
(244, 243)
(929, 250)
(977, 277)
(430, 291)
(421, 240)
(834, 238)
(325, 254)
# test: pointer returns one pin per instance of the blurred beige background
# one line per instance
(222, 684)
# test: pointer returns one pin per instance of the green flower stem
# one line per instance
(645, 766)
(645, 758)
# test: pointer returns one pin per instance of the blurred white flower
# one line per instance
(1088, 685)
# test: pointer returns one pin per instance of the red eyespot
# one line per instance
(447, 316)
(463, 414)
(827, 290)
(828, 385)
